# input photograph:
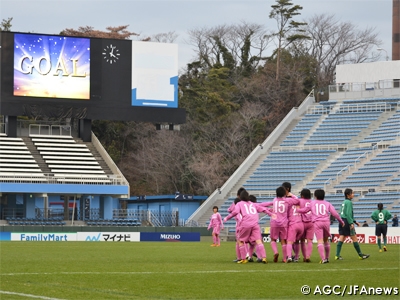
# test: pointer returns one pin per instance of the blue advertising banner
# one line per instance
(5, 236)
(170, 236)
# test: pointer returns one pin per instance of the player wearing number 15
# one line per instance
(249, 230)
(381, 216)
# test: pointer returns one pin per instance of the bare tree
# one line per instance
(235, 38)
(166, 37)
(119, 32)
(333, 42)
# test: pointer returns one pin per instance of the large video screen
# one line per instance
(51, 66)
(60, 77)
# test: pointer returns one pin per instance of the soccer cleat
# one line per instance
(289, 260)
(218, 245)
(236, 260)
(384, 248)
(276, 255)
(213, 245)
(380, 250)
(250, 259)
(338, 258)
(264, 261)
(242, 261)
(324, 261)
(295, 260)
(259, 260)
(363, 256)
(307, 260)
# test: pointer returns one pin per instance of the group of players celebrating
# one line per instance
(294, 222)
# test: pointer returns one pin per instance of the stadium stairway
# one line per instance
(36, 155)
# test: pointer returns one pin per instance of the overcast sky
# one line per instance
(149, 17)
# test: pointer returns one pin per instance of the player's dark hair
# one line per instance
(287, 186)
(244, 195)
(215, 207)
(305, 194)
(380, 206)
(319, 194)
(253, 198)
(280, 192)
(239, 191)
(237, 199)
(347, 192)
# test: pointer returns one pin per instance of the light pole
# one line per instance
(381, 49)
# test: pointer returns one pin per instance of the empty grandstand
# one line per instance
(349, 141)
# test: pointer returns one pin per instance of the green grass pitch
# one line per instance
(180, 270)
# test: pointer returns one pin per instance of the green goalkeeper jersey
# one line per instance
(346, 211)
(381, 216)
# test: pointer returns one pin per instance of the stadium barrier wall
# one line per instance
(366, 235)
(101, 236)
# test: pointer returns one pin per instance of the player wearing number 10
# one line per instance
(321, 211)
(249, 230)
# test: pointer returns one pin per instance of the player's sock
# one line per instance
(251, 250)
(246, 246)
(217, 240)
(304, 249)
(274, 247)
(327, 247)
(284, 251)
(309, 248)
(338, 248)
(384, 241)
(260, 251)
(243, 252)
(357, 247)
(296, 248)
(321, 251)
(379, 243)
(237, 251)
(288, 252)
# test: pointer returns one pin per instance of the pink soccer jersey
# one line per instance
(307, 217)
(321, 211)
(280, 207)
(216, 223)
(249, 212)
(295, 227)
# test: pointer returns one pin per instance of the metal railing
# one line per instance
(56, 130)
(49, 178)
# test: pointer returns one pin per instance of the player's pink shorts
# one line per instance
(322, 229)
(295, 231)
(278, 233)
(249, 234)
(308, 230)
(216, 230)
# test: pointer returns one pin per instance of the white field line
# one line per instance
(193, 272)
(28, 295)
